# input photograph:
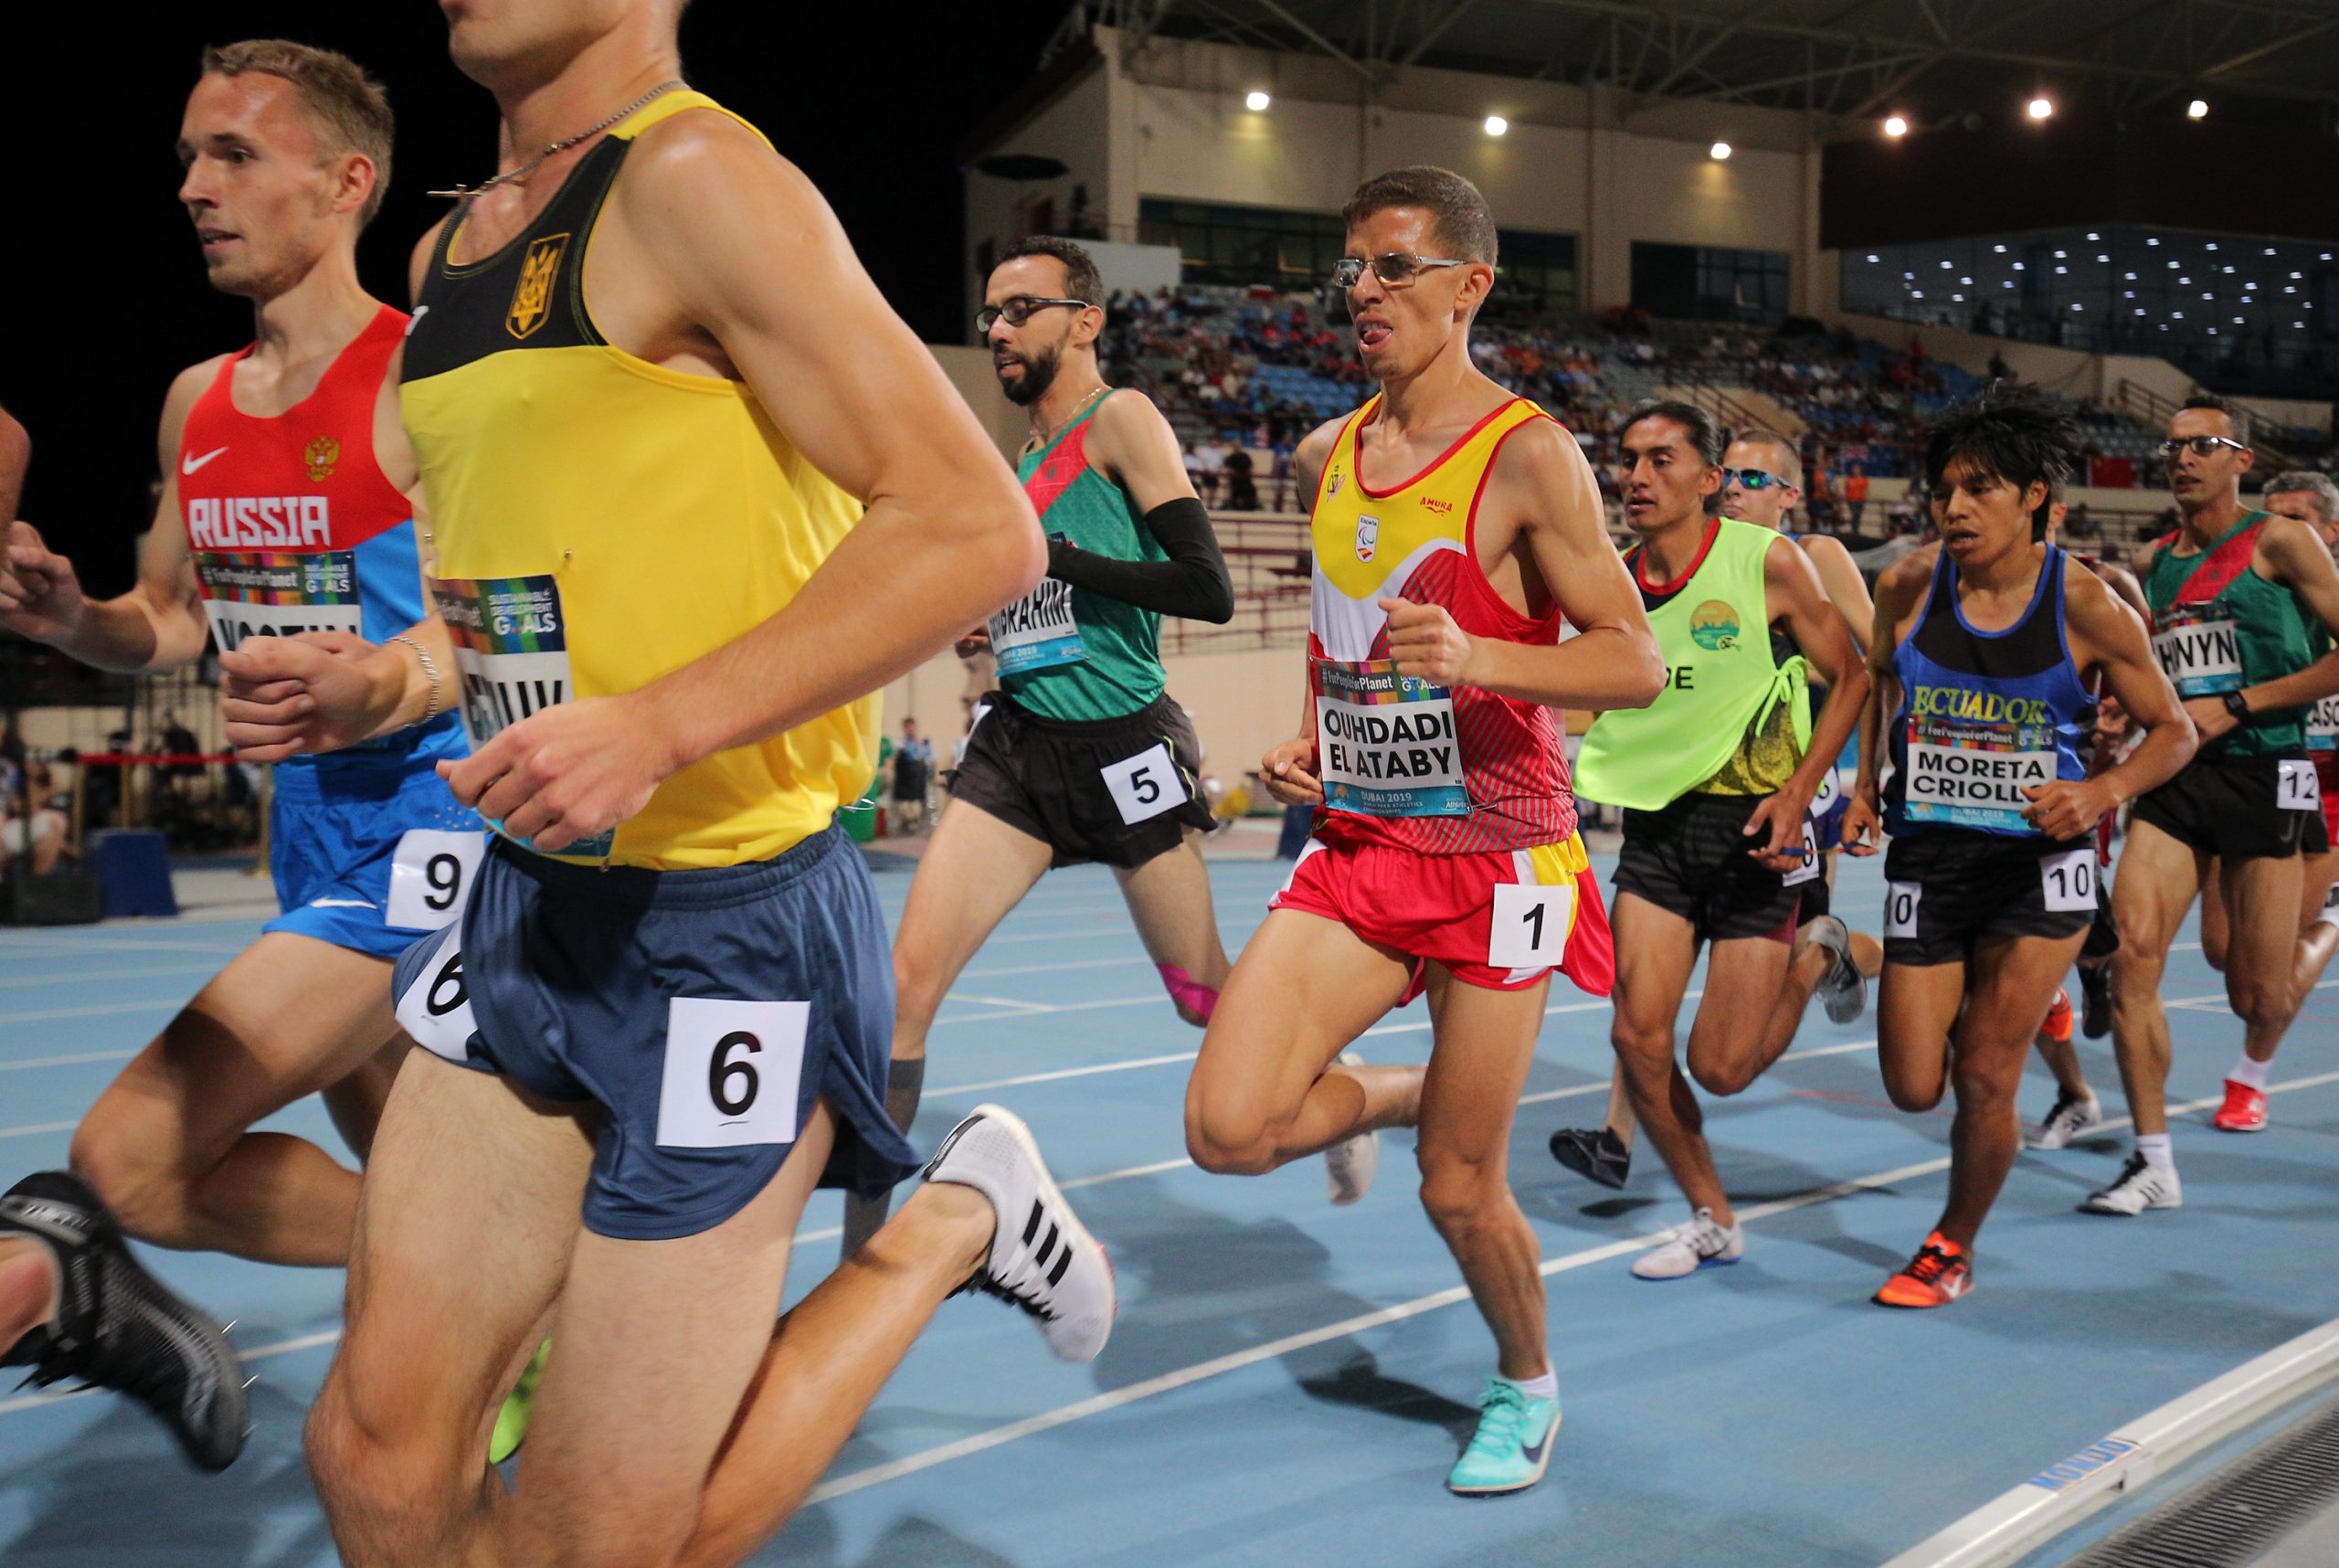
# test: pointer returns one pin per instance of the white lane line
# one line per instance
(37, 1127)
(66, 1061)
(110, 976)
(258, 1354)
(1053, 969)
(99, 1009)
(1008, 1001)
(1034, 1009)
(1017, 1082)
(1064, 1416)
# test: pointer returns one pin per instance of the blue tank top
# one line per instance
(1983, 715)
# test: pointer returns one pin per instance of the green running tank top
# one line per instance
(2217, 627)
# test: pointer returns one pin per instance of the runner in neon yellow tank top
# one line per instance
(2234, 594)
(1080, 755)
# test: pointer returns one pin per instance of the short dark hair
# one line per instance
(1081, 279)
(2011, 433)
(1464, 222)
(349, 108)
(2217, 405)
(1763, 435)
(1705, 435)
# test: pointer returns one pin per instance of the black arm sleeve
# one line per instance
(1191, 584)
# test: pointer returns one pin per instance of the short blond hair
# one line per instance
(349, 108)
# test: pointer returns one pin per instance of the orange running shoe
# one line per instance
(2244, 1110)
(1940, 1272)
(2057, 1026)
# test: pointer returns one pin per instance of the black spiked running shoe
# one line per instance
(117, 1328)
(2095, 991)
(1598, 1156)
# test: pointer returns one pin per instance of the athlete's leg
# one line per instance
(462, 1239)
(2062, 1059)
(356, 1100)
(2262, 895)
(1169, 898)
(2215, 936)
(1484, 1042)
(1807, 964)
(2012, 983)
(1264, 1089)
(2318, 937)
(1735, 1036)
(975, 869)
(1656, 950)
(167, 1146)
(2157, 880)
(1916, 1011)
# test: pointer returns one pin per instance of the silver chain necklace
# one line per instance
(461, 193)
(1039, 441)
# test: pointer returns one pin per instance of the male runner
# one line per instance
(1081, 755)
(284, 509)
(1455, 527)
(647, 381)
(1988, 659)
(1762, 480)
(2236, 595)
(1716, 778)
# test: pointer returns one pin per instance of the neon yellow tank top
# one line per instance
(599, 521)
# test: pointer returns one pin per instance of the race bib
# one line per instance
(1900, 900)
(436, 1010)
(2296, 787)
(1385, 744)
(1146, 784)
(1037, 632)
(1531, 926)
(2199, 648)
(431, 877)
(2066, 880)
(272, 593)
(2323, 725)
(1830, 790)
(512, 653)
(733, 1072)
(1808, 867)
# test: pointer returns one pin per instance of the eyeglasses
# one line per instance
(1750, 479)
(1395, 270)
(1019, 310)
(2201, 446)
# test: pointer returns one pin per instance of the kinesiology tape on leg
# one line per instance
(1187, 991)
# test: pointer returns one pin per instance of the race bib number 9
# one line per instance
(1531, 925)
(2199, 648)
(1037, 632)
(2066, 880)
(1385, 745)
(1900, 900)
(1146, 784)
(271, 593)
(2295, 788)
(733, 1071)
(431, 877)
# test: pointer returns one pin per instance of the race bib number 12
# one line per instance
(2295, 788)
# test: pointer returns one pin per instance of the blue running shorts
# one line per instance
(352, 847)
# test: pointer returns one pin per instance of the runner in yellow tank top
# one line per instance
(690, 1037)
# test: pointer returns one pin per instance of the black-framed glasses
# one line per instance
(1018, 310)
(1395, 270)
(2201, 446)
(1750, 479)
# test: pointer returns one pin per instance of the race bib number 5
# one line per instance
(733, 1071)
(431, 877)
(1531, 925)
(2295, 788)
(1146, 784)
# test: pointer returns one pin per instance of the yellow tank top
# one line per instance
(597, 521)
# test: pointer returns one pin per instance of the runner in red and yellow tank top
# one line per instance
(1446, 850)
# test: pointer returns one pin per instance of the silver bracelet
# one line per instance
(430, 672)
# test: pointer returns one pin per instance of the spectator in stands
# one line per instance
(1198, 472)
(1241, 493)
(913, 772)
(1999, 369)
(1855, 496)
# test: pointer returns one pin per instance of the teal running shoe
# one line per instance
(1512, 1445)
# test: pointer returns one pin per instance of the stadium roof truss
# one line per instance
(1937, 60)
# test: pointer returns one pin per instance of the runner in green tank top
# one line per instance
(1081, 755)
(2233, 594)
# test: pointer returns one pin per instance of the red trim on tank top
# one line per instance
(1529, 626)
(1640, 564)
(1356, 454)
(2218, 567)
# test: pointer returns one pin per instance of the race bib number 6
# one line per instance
(2295, 788)
(1531, 923)
(431, 877)
(732, 1073)
(436, 1010)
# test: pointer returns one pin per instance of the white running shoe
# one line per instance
(1041, 1258)
(2071, 1116)
(1700, 1244)
(1843, 989)
(1350, 1164)
(2142, 1185)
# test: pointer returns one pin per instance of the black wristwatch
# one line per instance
(2236, 703)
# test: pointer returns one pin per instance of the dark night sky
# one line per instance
(105, 299)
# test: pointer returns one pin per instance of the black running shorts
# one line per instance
(1691, 858)
(2231, 807)
(1946, 889)
(1120, 790)
(2102, 931)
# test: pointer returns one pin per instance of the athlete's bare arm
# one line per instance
(2108, 641)
(1541, 512)
(1132, 445)
(1898, 591)
(2292, 554)
(1290, 770)
(1796, 599)
(737, 261)
(2122, 582)
(15, 457)
(159, 623)
(1847, 589)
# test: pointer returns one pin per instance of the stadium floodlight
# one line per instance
(1896, 125)
(1256, 102)
(2041, 108)
(1719, 151)
(2197, 110)
(1497, 125)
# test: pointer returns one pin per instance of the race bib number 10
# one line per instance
(1809, 866)
(1385, 743)
(2066, 880)
(1900, 901)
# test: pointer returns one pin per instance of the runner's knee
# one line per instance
(2259, 1003)
(124, 1159)
(1231, 1142)
(1462, 1196)
(1722, 1073)
(386, 1495)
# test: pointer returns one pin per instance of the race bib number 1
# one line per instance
(733, 1070)
(2066, 880)
(1900, 900)
(1146, 784)
(2295, 788)
(431, 877)
(1531, 926)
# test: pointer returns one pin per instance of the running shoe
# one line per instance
(117, 1328)
(1940, 1272)
(1701, 1243)
(1843, 989)
(1512, 1445)
(1042, 1259)
(2073, 1114)
(1350, 1164)
(2058, 1024)
(2141, 1186)
(518, 1407)
(2095, 995)
(2244, 1110)
(1596, 1154)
